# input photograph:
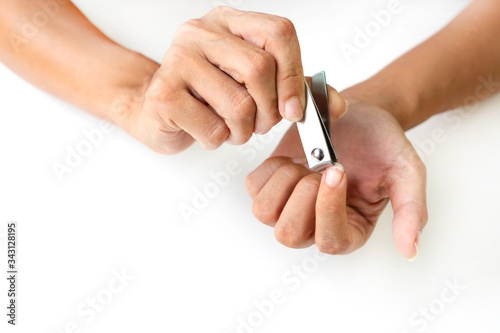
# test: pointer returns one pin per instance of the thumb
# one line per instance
(332, 234)
(408, 198)
(337, 103)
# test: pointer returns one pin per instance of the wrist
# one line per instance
(130, 92)
(389, 95)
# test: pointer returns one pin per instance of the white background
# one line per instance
(119, 210)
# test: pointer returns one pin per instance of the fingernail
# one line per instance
(293, 109)
(417, 240)
(346, 106)
(334, 175)
(264, 131)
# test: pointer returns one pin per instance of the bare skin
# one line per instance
(226, 75)
(380, 164)
(231, 73)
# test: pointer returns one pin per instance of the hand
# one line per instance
(338, 210)
(227, 75)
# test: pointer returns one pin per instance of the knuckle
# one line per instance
(164, 141)
(241, 138)
(425, 218)
(291, 171)
(162, 95)
(158, 90)
(261, 64)
(242, 106)
(189, 28)
(420, 167)
(251, 184)
(409, 162)
(238, 137)
(154, 93)
(215, 135)
(274, 163)
(176, 55)
(265, 211)
(310, 183)
(282, 26)
(330, 246)
(293, 73)
(223, 10)
(288, 236)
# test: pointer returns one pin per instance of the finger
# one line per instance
(333, 234)
(181, 111)
(159, 137)
(338, 104)
(246, 63)
(295, 226)
(277, 36)
(200, 122)
(271, 200)
(253, 68)
(229, 99)
(408, 198)
(256, 180)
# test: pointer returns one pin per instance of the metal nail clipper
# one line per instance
(314, 128)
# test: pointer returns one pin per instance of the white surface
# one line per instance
(120, 207)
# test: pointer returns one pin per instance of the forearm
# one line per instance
(441, 73)
(69, 57)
